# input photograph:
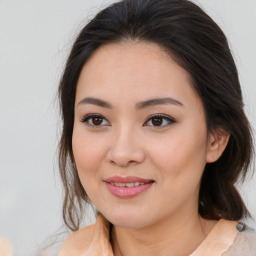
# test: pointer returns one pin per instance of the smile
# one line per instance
(127, 187)
(131, 184)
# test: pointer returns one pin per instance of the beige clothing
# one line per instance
(223, 240)
(5, 247)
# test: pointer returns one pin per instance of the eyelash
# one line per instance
(88, 117)
(168, 119)
(162, 117)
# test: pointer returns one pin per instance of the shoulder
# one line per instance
(90, 241)
(77, 242)
(244, 243)
(5, 247)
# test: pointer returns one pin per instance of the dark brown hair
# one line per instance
(196, 42)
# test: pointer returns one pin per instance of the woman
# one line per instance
(154, 135)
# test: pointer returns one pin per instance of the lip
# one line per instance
(127, 192)
(128, 179)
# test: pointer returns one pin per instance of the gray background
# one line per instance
(35, 38)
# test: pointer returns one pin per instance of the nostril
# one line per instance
(123, 163)
(125, 153)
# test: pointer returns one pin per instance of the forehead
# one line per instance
(133, 71)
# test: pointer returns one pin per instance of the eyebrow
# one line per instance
(139, 105)
(95, 101)
(157, 101)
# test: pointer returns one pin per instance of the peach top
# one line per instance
(5, 247)
(93, 240)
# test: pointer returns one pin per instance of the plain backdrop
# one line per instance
(35, 39)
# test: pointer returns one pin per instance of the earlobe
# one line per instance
(217, 143)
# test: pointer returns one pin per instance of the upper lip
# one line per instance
(128, 179)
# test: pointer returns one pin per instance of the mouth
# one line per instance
(127, 187)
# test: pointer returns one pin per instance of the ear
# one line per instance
(217, 142)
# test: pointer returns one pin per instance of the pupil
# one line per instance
(157, 121)
(97, 120)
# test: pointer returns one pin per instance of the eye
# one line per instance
(159, 120)
(95, 120)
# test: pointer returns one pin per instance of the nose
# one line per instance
(126, 149)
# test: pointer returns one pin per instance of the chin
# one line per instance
(127, 219)
(129, 223)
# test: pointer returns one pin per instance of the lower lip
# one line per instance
(127, 192)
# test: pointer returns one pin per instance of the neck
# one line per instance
(175, 235)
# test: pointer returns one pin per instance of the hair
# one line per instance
(198, 45)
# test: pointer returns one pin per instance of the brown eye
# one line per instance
(156, 121)
(159, 121)
(95, 120)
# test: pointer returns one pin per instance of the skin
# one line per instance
(126, 142)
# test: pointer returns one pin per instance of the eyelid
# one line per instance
(169, 119)
(163, 116)
(85, 118)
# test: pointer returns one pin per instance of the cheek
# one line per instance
(88, 153)
(181, 153)
(180, 161)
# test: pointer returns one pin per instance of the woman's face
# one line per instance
(140, 140)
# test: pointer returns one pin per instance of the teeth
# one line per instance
(131, 184)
